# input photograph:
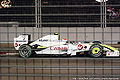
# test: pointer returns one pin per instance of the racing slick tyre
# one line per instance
(97, 42)
(96, 51)
(25, 51)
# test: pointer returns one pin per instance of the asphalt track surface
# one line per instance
(59, 68)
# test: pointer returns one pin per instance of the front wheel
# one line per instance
(96, 50)
(25, 51)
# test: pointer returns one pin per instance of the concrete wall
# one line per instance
(71, 33)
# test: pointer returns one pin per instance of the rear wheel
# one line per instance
(96, 51)
(25, 51)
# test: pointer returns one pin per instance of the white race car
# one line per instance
(52, 45)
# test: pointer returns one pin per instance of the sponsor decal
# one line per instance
(80, 46)
(112, 54)
(58, 48)
(15, 44)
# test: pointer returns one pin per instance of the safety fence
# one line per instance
(74, 20)
(57, 68)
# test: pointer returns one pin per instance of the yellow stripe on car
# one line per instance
(109, 47)
(41, 47)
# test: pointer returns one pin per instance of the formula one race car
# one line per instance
(52, 45)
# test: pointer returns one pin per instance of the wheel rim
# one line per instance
(96, 50)
(25, 51)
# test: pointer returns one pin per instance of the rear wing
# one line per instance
(20, 40)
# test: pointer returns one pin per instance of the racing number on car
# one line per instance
(80, 46)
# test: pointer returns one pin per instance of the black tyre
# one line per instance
(96, 50)
(25, 51)
(97, 42)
